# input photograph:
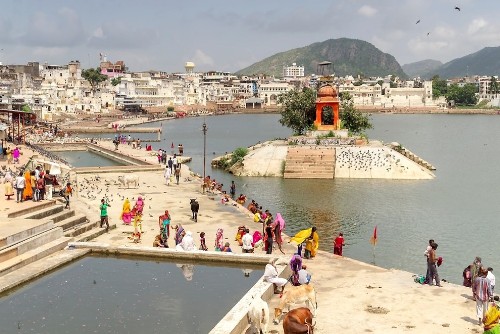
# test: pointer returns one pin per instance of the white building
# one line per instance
(293, 71)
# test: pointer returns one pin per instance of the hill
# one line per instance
(483, 62)
(349, 57)
(421, 68)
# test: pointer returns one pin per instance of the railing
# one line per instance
(322, 141)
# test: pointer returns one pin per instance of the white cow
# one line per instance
(127, 180)
(258, 315)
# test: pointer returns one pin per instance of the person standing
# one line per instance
(19, 185)
(167, 173)
(232, 190)
(40, 185)
(481, 289)
(9, 190)
(177, 173)
(104, 213)
(170, 164)
(68, 191)
(426, 254)
(491, 278)
(269, 233)
(174, 162)
(338, 244)
(432, 259)
(33, 186)
(9, 155)
(195, 207)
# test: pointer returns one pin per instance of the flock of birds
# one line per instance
(456, 8)
(47, 153)
(366, 160)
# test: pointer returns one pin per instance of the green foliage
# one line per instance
(116, 81)
(238, 155)
(94, 77)
(25, 108)
(297, 109)
(463, 96)
(352, 119)
(439, 87)
(283, 167)
(170, 108)
(494, 86)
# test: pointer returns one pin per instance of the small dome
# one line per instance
(327, 91)
(189, 64)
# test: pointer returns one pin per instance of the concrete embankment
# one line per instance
(329, 159)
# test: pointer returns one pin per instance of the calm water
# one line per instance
(123, 295)
(459, 209)
(87, 159)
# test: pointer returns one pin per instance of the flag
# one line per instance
(373, 239)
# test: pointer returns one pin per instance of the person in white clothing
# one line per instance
(304, 276)
(247, 241)
(167, 175)
(187, 243)
(19, 185)
(491, 278)
(271, 276)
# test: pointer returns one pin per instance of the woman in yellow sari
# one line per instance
(311, 238)
(126, 215)
(28, 191)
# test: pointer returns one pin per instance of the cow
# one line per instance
(127, 180)
(298, 321)
(296, 295)
(258, 315)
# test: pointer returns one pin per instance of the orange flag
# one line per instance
(373, 239)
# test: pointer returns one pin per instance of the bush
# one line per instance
(170, 109)
(238, 155)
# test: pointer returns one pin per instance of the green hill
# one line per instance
(483, 62)
(421, 68)
(349, 57)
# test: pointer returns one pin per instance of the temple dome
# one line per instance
(327, 91)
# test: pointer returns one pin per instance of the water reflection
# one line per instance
(246, 272)
(187, 271)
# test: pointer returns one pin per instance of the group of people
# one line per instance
(29, 185)
(12, 155)
(129, 216)
(482, 281)
(299, 276)
(432, 261)
(172, 169)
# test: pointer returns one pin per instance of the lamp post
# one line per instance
(204, 129)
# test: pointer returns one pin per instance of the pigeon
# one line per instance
(418, 22)
(457, 8)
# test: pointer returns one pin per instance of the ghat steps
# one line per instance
(310, 162)
(40, 229)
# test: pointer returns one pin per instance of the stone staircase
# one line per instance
(39, 230)
(310, 162)
(412, 156)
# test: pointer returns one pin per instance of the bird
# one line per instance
(418, 22)
(428, 33)
(457, 8)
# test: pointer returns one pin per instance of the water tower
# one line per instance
(189, 66)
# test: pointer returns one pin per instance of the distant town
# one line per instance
(52, 91)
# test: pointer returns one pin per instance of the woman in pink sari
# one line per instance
(279, 226)
(139, 205)
(219, 239)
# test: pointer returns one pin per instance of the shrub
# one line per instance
(238, 155)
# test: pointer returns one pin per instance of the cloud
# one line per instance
(201, 58)
(58, 29)
(367, 11)
(122, 35)
(476, 25)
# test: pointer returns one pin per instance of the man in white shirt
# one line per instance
(271, 276)
(20, 184)
(304, 276)
(491, 278)
(247, 241)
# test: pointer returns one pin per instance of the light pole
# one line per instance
(204, 129)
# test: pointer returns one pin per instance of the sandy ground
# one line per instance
(353, 297)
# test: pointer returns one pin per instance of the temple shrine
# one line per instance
(327, 109)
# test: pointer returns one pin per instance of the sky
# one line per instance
(228, 35)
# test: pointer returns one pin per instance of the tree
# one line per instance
(94, 77)
(494, 86)
(116, 81)
(25, 108)
(439, 87)
(352, 119)
(298, 109)
(464, 96)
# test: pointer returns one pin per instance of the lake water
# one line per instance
(459, 208)
(125, 295)
(87, 159)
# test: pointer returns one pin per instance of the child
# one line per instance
(226, 248)
(67, 192)
(137, 219)
(203, 245)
